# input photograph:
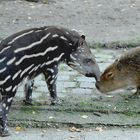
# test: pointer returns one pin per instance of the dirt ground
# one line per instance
(64, 134)
(101, 21)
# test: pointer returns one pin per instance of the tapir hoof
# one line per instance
(56, 101)
(28, 102)
(4, 133)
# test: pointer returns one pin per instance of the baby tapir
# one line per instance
(40, 50)
(123, 72)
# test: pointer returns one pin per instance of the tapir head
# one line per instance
(82, 60)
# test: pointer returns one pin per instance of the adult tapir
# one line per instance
(40, 50)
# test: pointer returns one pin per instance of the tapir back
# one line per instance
(27, 53)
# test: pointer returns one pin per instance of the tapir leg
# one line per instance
(5, 105)
(28, 91)
(50, 78)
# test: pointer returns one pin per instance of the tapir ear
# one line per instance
(83, 36)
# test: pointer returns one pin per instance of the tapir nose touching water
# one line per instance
(40, 50)
(123, 72)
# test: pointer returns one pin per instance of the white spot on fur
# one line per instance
(67, 33)
(28, 68)
(11, 61)
(38, 31)
(56, 76)
(9, 88)
(55, 35)
(7, 108)
(37, 67)
(46, 29)
(52, 81)
(2, 59)
(16, 74)
(15, 88)
(4, 105)
(32, 70)
(9, 100)
(43, 65)
(2, 70)
(62, 37)
(4, 49)
(5, 80)
(50, 62)
(55, 59)
(48, 77)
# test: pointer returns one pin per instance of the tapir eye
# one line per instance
(87, 60)
(81, 43)
(110, 75)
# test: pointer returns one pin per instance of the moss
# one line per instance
(29, 109)
(116, 44)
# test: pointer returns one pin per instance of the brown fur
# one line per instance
(123, 72)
